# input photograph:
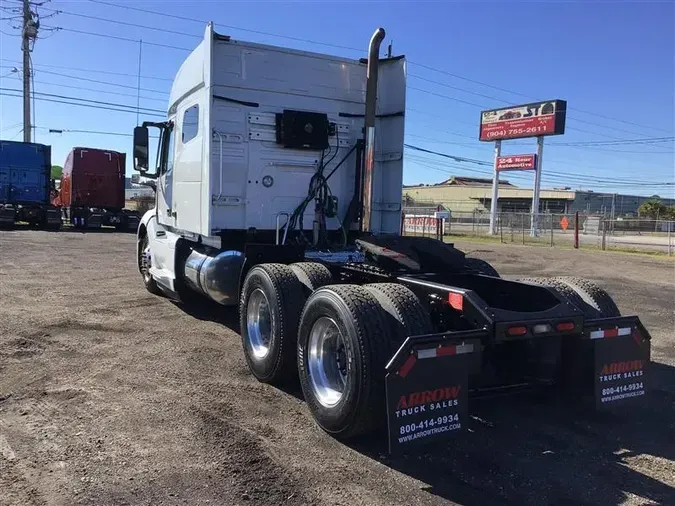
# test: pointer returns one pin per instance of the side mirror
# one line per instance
(141, 148)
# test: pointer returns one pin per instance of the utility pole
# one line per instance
(28, 31)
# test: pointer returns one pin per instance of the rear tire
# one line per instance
(312, 275)
(343, 348)
(405, 314)
(593, 296)
(269, 311)
(568, 293)
(481, 266)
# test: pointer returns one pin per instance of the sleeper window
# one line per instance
(190, 124)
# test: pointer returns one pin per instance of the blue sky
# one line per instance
(614, 62)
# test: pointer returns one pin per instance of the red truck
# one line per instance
(92, 190)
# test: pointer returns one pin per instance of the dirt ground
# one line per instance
(109, 395)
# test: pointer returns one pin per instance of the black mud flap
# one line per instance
(621, 353)
(53, 216)
(427, 386)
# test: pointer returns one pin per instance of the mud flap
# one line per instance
(427, 384)
(7, 215)
(621, 353)
(53, 216)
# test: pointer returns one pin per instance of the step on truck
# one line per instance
(278, 183)
(26, 184)
(92, 190)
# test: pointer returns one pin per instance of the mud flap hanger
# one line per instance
(427, 383)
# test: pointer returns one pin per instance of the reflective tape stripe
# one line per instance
(600, 334)
(428, 353)
(464, 348)
(441, 351)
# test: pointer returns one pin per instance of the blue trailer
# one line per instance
(25, 185)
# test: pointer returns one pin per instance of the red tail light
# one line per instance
(565, 326)
(516, 331)
(456, 301)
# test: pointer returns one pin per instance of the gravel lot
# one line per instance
(109, 395)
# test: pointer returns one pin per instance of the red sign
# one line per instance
(529, 120)
(517, 162)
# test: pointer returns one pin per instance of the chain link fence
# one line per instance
(594, 231)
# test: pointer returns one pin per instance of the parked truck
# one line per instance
(278, 192)
(25, 185)
(92, 188)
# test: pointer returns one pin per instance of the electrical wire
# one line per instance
(94, 71)
(149, 90)
(548, 173)
(232, 27)
(65, 97)
(101, 91)
(40, 99)
(529, 97)
(116, 37)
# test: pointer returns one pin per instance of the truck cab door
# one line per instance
(165, 208)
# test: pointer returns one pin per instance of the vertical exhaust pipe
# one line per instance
(371, 102)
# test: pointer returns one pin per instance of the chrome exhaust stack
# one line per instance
(369, 125)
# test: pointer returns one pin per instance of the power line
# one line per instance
(116, 37)
(84, 105)
(65, 97)
(551, 173)
(232, 27)
(96, 71)
(102, 91)
(126, 23)
(96, 132)
(457, 76)
(97, 81)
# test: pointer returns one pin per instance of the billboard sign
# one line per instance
(529, 120)
(517, 162)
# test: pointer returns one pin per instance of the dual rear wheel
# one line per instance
(335, 338)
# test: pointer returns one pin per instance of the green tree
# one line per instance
(56, 171)
(653, 209)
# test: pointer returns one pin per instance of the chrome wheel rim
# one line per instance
(259, 323)
(145, 261)
(328, 365)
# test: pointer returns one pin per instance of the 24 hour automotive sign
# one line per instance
(529, 120)
(517, 162)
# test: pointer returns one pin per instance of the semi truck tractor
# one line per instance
(278, 181)
(91, 194)
(25, 185)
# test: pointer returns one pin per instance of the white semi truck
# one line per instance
(278, 190)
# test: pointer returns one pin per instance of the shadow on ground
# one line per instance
(517, 452)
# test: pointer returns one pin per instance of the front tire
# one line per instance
(144, 264)
(343, 346)
(269, 311)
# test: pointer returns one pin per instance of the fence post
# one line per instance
(551, 230)
(501, 228)
(576, 230)
(522, 225)
(604, 234)
(511, 220)
(670, 228)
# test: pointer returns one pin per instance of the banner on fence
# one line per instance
(420, 224)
